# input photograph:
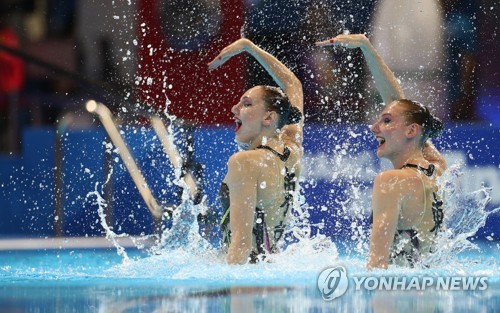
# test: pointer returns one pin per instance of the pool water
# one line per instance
(183, 280)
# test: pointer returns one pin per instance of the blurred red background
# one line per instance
(196, 94)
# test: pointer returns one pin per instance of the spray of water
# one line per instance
(110, 234)
(465, 213)
(181, 243)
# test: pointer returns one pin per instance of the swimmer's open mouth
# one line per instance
(238, 124)
(381, 141)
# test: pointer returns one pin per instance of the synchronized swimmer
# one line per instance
(269, 132)
(407, 211)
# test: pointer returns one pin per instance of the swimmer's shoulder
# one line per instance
(389, 175)
(248, 160)
(242, 167)
(398, 180)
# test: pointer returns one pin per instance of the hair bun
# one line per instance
(295, 115)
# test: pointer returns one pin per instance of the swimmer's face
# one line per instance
(390, 130)
(249, 114)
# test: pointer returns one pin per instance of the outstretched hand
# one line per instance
(233, 49)
(347, 41)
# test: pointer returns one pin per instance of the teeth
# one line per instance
(380, 140)
(238, 124)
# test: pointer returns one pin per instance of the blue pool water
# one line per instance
(183, 280)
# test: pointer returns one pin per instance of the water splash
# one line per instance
(182, 243)
(184, 232)
(465, 214)
(139, 242)
(110, 234)
(184, 254)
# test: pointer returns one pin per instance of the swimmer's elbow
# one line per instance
(295, 94)
(440, 162)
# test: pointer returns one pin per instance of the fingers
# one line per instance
(233, 49)
(215, 63)
(339, 40)
(325, 43)
(221, 59)
(346, 41)
(223, 56)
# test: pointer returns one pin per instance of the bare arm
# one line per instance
(241, 179)
(432, 155)
(385, 81)
(285, 78)
(386, 207)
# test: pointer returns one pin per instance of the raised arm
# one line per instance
(432, 155)
(285, 78)
(385, 81)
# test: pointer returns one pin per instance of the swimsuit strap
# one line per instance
(283, 157)
(427, 171)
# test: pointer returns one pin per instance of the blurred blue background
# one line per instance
(339, 167)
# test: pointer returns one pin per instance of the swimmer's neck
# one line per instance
(413, 156)
(271, 141)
